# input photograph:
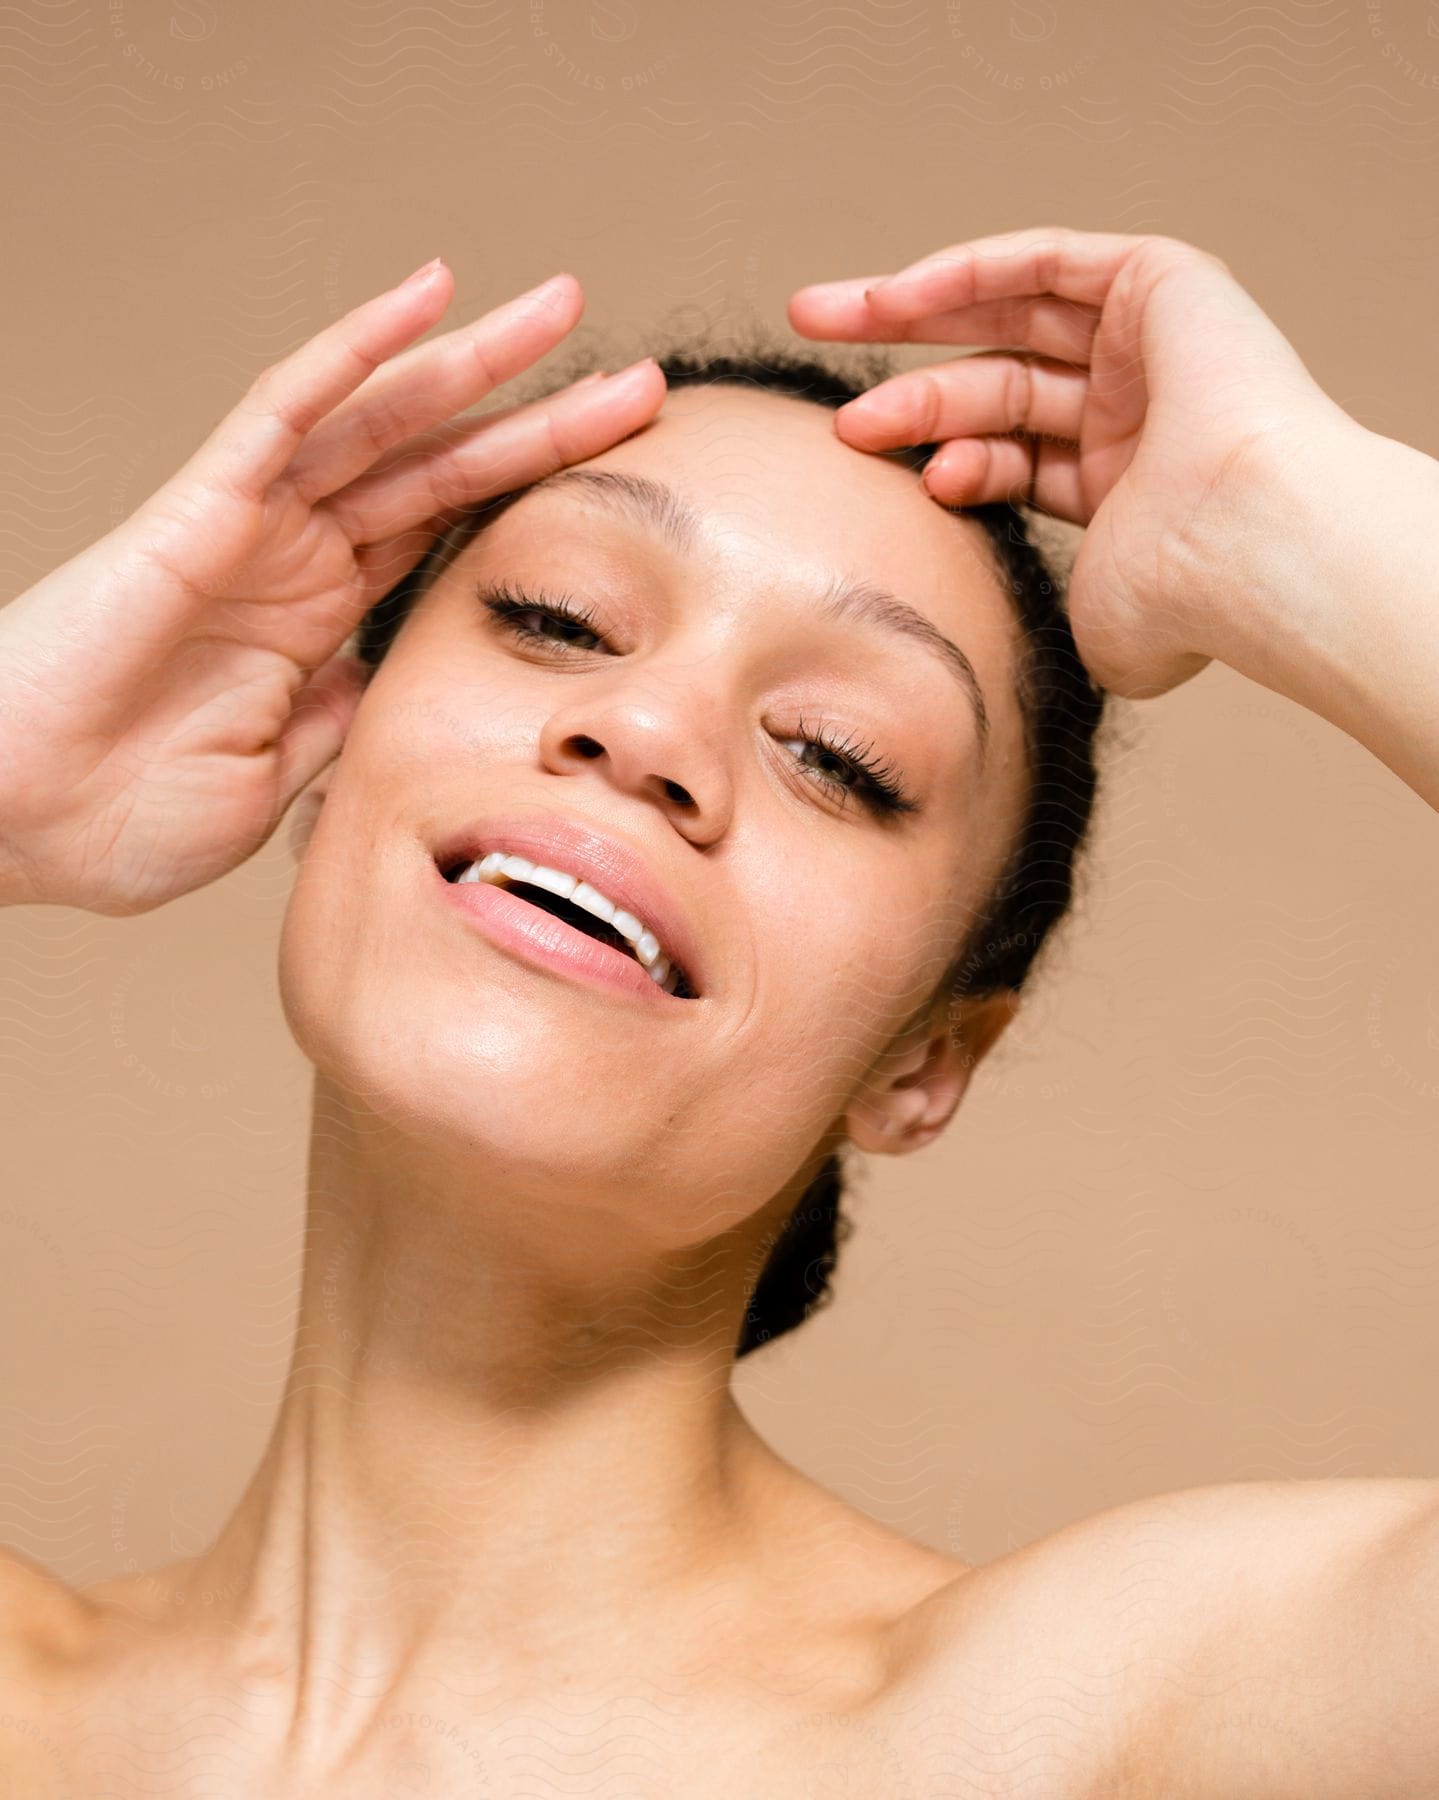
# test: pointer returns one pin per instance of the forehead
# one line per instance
(783, 501)
(771, 476)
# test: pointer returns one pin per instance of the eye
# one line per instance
(848, 768)
(859, 771)
(524, 616)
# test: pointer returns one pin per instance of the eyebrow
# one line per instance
(659, 508)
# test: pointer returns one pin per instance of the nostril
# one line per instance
(584, 745)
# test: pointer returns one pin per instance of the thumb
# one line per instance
(320, 717)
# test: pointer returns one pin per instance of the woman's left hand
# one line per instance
(1140, 392)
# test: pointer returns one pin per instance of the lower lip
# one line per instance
(538, 938)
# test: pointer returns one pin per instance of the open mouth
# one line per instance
(580, 919)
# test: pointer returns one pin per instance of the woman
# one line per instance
(784, 750)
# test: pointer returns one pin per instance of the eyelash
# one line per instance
(877, 779)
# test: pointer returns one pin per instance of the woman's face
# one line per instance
(820, 920)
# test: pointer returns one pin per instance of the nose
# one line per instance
(657, 746)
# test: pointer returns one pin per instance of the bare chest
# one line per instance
(642, 1745)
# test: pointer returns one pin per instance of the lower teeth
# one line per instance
(670, 983)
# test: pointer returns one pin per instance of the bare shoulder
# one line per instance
(1273, 1637)
(42, 1628)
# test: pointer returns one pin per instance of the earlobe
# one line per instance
(900, 1112)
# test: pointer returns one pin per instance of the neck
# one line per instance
(507, 1445)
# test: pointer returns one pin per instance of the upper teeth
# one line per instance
(634, 931)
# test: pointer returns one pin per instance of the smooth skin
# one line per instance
(485, 1367)
(166, 694)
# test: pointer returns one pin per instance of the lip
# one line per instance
(610, 864)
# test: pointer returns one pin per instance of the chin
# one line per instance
(492, 1073)
(497, 1091)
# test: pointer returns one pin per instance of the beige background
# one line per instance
(1185, 1227)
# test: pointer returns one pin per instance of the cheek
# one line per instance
(848, 959)
(350, 887)
(323, 933)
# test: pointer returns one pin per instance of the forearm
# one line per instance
(1337, 597)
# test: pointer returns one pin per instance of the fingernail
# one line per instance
(885, 397)
(896, 286)
(420, 275)
(589, 380)
(633, 368)
(554, 281)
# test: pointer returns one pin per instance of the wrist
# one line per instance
(1332, 598)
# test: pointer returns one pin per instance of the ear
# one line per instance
(911, 1096)
(305, 812)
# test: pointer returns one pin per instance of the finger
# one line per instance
(506, 451)
(253, 443)
(441, 437)
(1044, 473)
(1043, 323)
(988, 393)
(1075, 265)
(434, 381)
(810, 308)
(384, 565)
(320, 715)
(381, 564)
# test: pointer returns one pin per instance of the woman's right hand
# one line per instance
(167, 693)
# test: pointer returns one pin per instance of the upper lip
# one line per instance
(614, 867)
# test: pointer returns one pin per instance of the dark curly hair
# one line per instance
(1061, 707)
